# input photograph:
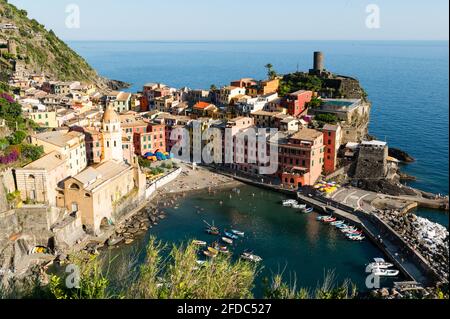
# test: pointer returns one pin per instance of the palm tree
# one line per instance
(271, 74)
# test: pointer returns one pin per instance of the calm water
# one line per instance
(406, 81)
(284, 238)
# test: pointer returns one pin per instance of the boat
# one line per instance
(329, 220)
(251, 257)
(307, 210)
(385, 272)
(289, 202)
(320, 218)
(221, 248)
(227, 240)
(207, 253)
(357, 238)
(231, 236)
(299, 206)
(211, 229)
(237, 232)
(380, 263)
(199, 243)
(336, 223)
(342, 226)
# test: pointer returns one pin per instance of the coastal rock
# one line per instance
(400, 155)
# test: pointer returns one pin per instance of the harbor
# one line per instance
(288, 241)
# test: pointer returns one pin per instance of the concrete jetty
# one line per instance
(404, 257)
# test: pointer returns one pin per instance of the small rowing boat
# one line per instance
(209, 254)
(329, 220)
(336, 223)
(231, 236)
(357, 238)
(320, 218)
(199, 243)
(308, 210)
(211, 229)
(251, 257)
(227, 240)
(237, 232)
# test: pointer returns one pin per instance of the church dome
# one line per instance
(110, 115)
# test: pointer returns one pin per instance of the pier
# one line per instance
(404, 257)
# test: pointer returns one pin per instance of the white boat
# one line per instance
(227, 240)
(299, 206)
(380, 263)
(385, 272)
(237, 232)
(199, 243)
(251, 257)
(289, 202)
(339, 222)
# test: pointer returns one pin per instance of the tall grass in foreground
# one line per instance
(179, 276)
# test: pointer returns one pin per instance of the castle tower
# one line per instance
(111, 136)
(318, 62)
(12, 47)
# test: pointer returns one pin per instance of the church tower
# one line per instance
(111, 136)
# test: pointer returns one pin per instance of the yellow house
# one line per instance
(44, 118)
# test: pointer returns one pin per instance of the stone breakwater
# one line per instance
(135, 226)
(430, 239)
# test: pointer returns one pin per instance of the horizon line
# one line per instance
(255, 40)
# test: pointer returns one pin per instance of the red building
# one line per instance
(331, 139)
(296, 102)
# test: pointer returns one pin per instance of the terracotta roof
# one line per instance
(202, 105)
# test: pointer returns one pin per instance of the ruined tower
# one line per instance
(12, 47)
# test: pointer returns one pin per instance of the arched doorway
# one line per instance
(104, 224)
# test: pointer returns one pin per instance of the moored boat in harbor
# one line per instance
(227, 240)
(251, 257)
(385, 272)
(231, 235)
(237, 232)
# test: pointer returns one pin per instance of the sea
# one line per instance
(406, 81)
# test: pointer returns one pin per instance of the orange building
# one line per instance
(264, 88)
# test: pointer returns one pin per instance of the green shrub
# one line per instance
(31, 152)
(17, 137)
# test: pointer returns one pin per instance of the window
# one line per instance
(115, 144)
(74, 186)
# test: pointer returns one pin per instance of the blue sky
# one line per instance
(243, 20)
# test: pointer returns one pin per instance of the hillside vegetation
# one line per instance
(41, 50)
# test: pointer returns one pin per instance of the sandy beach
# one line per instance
(197, 180)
